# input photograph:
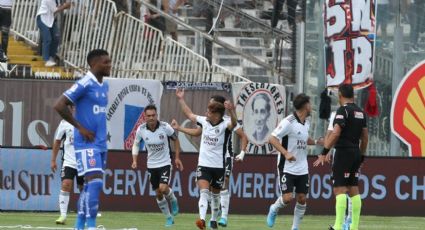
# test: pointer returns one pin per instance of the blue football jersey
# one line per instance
(90, 99)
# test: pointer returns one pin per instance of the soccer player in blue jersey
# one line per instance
(90, 97)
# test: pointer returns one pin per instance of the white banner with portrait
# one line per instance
(126, 102)
(259, 108)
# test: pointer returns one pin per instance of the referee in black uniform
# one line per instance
(350, 137)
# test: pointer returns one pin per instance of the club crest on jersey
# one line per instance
(216, 131)
(92, 162)
(161, 136)
(346, 175)
(407, 117)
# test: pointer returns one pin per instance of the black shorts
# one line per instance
(159, 176)
(215, 176)
(289, 181)
(228, 166)
(71, 173)
(5, 17)
(345, 167)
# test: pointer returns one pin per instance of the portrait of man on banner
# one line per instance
(259, 108)
(262, 117)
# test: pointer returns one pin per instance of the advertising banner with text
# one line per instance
(254, 184)
(27, 117)
(26, 183)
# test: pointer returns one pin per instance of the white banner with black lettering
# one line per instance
(259, 108)
(349, 31)
(126, 102)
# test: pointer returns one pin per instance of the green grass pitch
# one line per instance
(185, 221)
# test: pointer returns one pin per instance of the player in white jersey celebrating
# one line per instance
(224, 193)
(290, 139)
(210, 170)
(65, 133)
(156, 135)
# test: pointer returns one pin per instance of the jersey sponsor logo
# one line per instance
(98, 109)
(210, 140)
(358, 115)
(407, 111)
(339, 117)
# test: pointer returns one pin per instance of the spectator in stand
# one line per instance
(383, 16)
(122, 5)
(155, 19)
(416, 19)
(277, 9)
(47, 24)
(202, 9)
(226, 13)
(5, 22)
(170, 25)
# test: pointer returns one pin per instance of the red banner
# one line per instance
(349, 30)
(385, 191)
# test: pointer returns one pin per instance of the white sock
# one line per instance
(278, 204)
(170, 196)
(225, 202)
(63, 202)
(299, 211)
(203, 203)
(215, 204)
(349, 207)
(163, 205)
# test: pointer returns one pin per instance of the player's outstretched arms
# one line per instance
(185, 108)
(196, 132)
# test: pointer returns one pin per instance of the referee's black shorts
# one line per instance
(345, 167)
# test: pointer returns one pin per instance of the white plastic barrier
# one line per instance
(24, 20)
(136, 49)
(87, 25)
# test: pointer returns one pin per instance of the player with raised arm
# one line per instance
(290, 138)
(211, 161)
(350, 138)
(156, 136)
(224, 193)
(65, 134)
(90, 97)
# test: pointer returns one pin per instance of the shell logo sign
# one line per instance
(408, 111)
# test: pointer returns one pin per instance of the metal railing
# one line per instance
(24, 20)
(88, 25)
(138, 50)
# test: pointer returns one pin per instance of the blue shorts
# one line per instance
(90, 161)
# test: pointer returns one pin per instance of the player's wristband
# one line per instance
(325, 151)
